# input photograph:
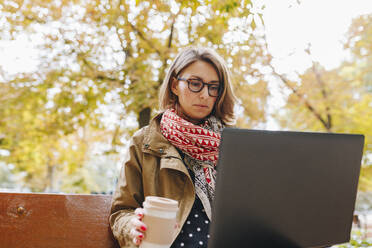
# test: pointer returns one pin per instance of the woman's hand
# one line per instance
(138, 229)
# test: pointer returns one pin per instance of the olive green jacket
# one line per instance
(153, 167)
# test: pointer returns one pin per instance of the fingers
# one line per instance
(136, 241)
(138, 227)
(139, 213)
(137, 236)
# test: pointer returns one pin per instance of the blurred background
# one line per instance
(78, 77)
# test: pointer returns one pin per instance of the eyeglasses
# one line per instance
(196, 85)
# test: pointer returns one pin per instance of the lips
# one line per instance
(201, 105)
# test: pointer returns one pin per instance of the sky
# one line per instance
(323, 23)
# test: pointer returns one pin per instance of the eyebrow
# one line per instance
(213, 81)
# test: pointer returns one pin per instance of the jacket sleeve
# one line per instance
(128, 194)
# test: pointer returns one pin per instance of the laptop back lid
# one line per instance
(285, 189)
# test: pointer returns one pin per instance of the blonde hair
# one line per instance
(224, 106)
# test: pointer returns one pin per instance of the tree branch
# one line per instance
(125, 50)
(171, 33)
(301, 96)
(164, 66)
(325, 95)
(298, 94)
(141, 35)
(322, 86)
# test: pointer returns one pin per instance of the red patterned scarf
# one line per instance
(195, 141)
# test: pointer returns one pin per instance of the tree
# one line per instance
(358, 42)
(93, 50)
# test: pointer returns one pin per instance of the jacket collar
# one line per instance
(155, 143)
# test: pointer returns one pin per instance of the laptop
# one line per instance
(285, 189)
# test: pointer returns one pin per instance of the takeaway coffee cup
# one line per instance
(160, 218)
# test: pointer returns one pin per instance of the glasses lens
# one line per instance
(213, 90)
(195, 85)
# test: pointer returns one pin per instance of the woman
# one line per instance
(176, 154)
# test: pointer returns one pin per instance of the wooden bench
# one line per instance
(30, 220)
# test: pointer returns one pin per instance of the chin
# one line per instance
(200, 116)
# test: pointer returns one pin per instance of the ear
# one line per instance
(174, 86)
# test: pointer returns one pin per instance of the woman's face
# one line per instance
(195, 106)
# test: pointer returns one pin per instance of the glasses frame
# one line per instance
(204, 84)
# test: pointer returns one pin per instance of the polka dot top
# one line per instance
(195, 231)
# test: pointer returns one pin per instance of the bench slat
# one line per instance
(55, 220)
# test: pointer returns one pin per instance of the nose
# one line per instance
(204, 92)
